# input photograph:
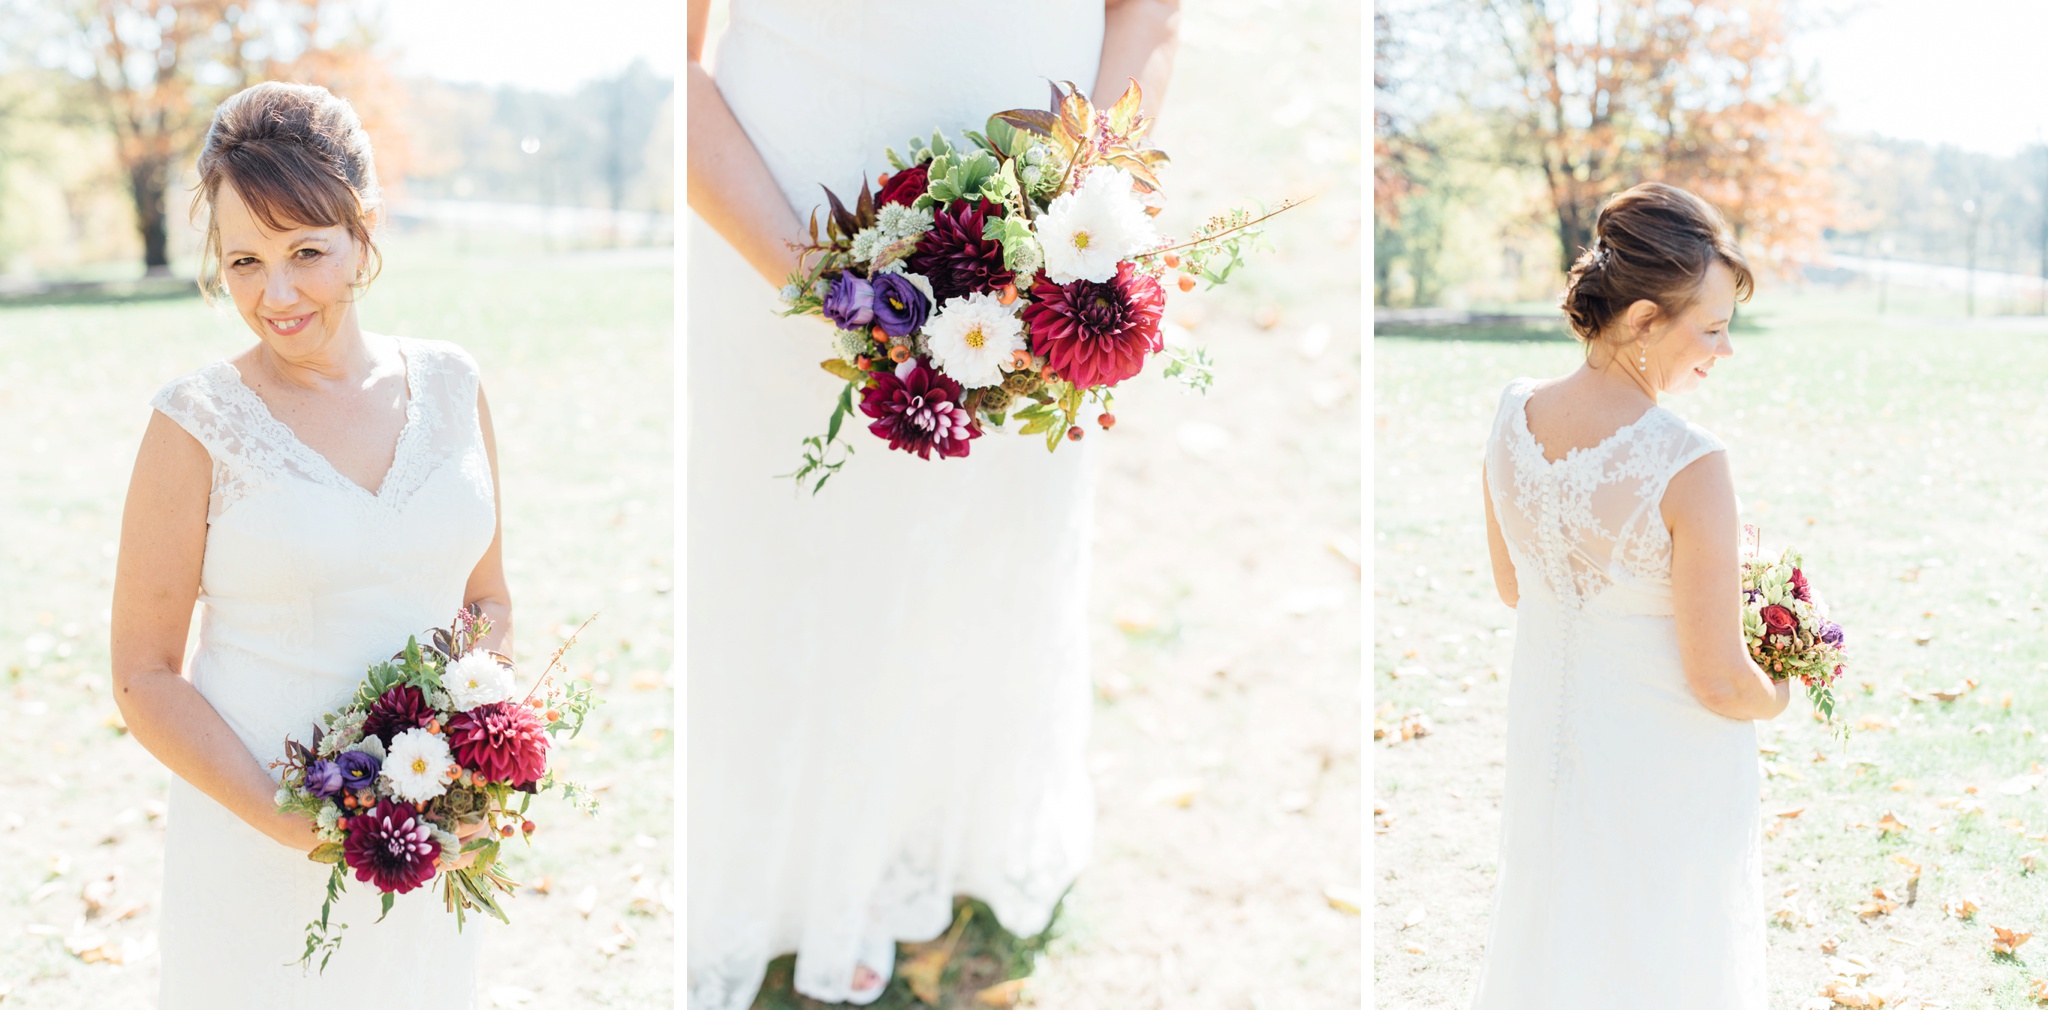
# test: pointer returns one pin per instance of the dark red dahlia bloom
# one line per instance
(391, 847)
(503, 741)
(919, 410)
(954, 256)
(1096, 334)
(906, 186)
(1800, 591)
(397, 710)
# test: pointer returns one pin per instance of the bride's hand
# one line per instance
(463, 834)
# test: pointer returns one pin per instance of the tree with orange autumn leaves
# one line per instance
(1702, 94)
(160, 66)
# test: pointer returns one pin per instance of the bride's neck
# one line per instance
(1609, 370)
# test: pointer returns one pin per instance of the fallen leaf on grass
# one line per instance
(1174, 792)
(1912, 868)
(1344, 899)
(621, 938)
(1962, 908)
(1902, 786)
(927, 966)
(1880, 904)
(2028, 859)
(1414, 917)
(510, 997)
(2005, 941)
(1828, 944)
(2020, 785)
(1889, 824)
(1875, 722)
(1416, 948)
(1794, 812)
(2037, 990)
(1002, 993)
(586, 901)
(1955, 692)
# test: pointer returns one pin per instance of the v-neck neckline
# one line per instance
(412, 420)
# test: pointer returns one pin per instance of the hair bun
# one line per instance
(1651, 242)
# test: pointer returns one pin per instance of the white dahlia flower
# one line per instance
(972, 338)
(418, 766)
(1086, 232)
(476, 679)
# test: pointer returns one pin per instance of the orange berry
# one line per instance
(1187, 282)
(505, 831)
(881, 180)
(862, 362)
(899, 354)
(1074, 433)
(349, 800)
(1008, 295)
(527, 827)
(1171, 260)
(1020, 360)
(553, 716)
(433, 725)
(881, 336)
(1107, 420)
(537, 702)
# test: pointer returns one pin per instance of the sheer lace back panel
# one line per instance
(1590, 521)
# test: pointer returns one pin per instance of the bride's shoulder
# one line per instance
(200, 385)
(441, 355)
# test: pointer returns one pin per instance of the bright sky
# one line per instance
(1966, 72)
(550, 46)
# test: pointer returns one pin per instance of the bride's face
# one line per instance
(290, 285)
(1683, 351)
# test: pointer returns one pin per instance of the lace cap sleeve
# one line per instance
(194, 402)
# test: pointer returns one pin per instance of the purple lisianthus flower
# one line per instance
(900, 308)
(324, 779)
(358, 769)
(1833, 635)
(850, 302)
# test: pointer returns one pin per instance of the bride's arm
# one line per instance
(1138, 41)
(487, 589)
(1699, 507)
(1504, 581)
(729, 184)
(156, 581)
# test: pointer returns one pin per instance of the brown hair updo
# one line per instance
(298, 157)
(1651, 242)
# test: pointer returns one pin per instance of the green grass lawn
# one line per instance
(576, 359)
(1903, 454)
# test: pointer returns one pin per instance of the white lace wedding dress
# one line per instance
(888, 687)
(308, 577)
(1630, 867)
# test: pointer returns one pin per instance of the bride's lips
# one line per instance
(1701, 372)
(288, 325)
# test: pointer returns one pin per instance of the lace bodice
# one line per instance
(308, 577)
(1579, 525)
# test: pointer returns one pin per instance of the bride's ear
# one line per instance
(1638, 317)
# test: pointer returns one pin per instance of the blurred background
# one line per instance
(487, 118)
(525, 150)
(1874, 145)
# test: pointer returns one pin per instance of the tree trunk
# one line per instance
(147, 179)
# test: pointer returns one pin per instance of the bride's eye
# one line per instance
(243, 262)
(309, 255)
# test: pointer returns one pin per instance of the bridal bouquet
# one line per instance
(1017, 277)
(438, 742)
(1786, 626)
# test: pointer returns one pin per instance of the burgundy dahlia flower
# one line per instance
(391, 847)
(397, 710)
(1097, 334)
(1800, 591)
(919, 410)
(503, 742)
(954, 256)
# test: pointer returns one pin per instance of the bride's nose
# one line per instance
(279, 290)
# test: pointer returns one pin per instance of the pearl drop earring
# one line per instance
(1643, 356)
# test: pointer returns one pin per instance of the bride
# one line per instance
(1630, 866)
(888, 685)
(322, 495)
